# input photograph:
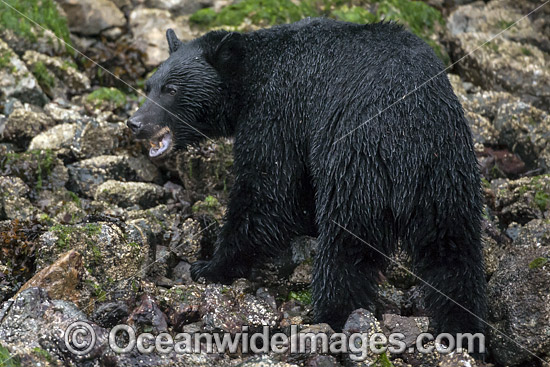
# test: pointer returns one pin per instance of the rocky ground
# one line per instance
(91, 229)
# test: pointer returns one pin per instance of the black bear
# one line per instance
(351, 132)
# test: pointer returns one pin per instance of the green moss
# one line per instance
(538, 263)
(492, 46)
(43, 76)
(5, 57)
(302, 296)
(259, 12)
(43, 12)
(43, 158)
(526, 51)
(354, 14)
(75, 199)
(42, 353)
(96, 253)
(504, 24)
(62, 232)
(383, 361)
(542, 199)
(45, 165)
(92, 229)
(417, 15)
(209, 204)
(68, 65)
(111, 95)
(6, 359)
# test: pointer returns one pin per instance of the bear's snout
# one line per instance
(134, 123)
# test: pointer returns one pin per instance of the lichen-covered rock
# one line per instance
(64, 113)
(494, 17)
(112, 257)
(99, 138)
(87, 174)
(32, 321)
(515, 61)
(59, 138)
(14, 201)
(24, 123)
(39, 169)
(186, 240)
(16, 80)
(90, 17)
(519, 295)
(225, 308)
(523, 200)
(127, 194)
(65, 76)
(182, 304)
(495, 246)
(504, 65)
(207, 169)
(525, 130)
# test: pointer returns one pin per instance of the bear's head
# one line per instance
(187, 95)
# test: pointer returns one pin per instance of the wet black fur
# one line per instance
(288, 94)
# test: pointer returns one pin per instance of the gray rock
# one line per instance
(149, 29)
(362, 321)
(519, 295)
(181, 273)
(17, 81)
(90, 17)
(126, 194)
(264, 361)
(411, 327)
(179, 7)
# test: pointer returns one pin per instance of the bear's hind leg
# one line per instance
(346, 274)
(450, 260)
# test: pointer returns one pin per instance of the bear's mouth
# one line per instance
(161, 143)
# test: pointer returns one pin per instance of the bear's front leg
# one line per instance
(260, 220)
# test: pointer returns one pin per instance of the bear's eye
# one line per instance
(170, 89)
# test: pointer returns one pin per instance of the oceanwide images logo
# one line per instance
(80, 339)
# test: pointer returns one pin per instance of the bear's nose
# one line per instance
(134, 124)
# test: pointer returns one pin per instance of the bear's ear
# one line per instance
(173, 41)
(225, 51)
